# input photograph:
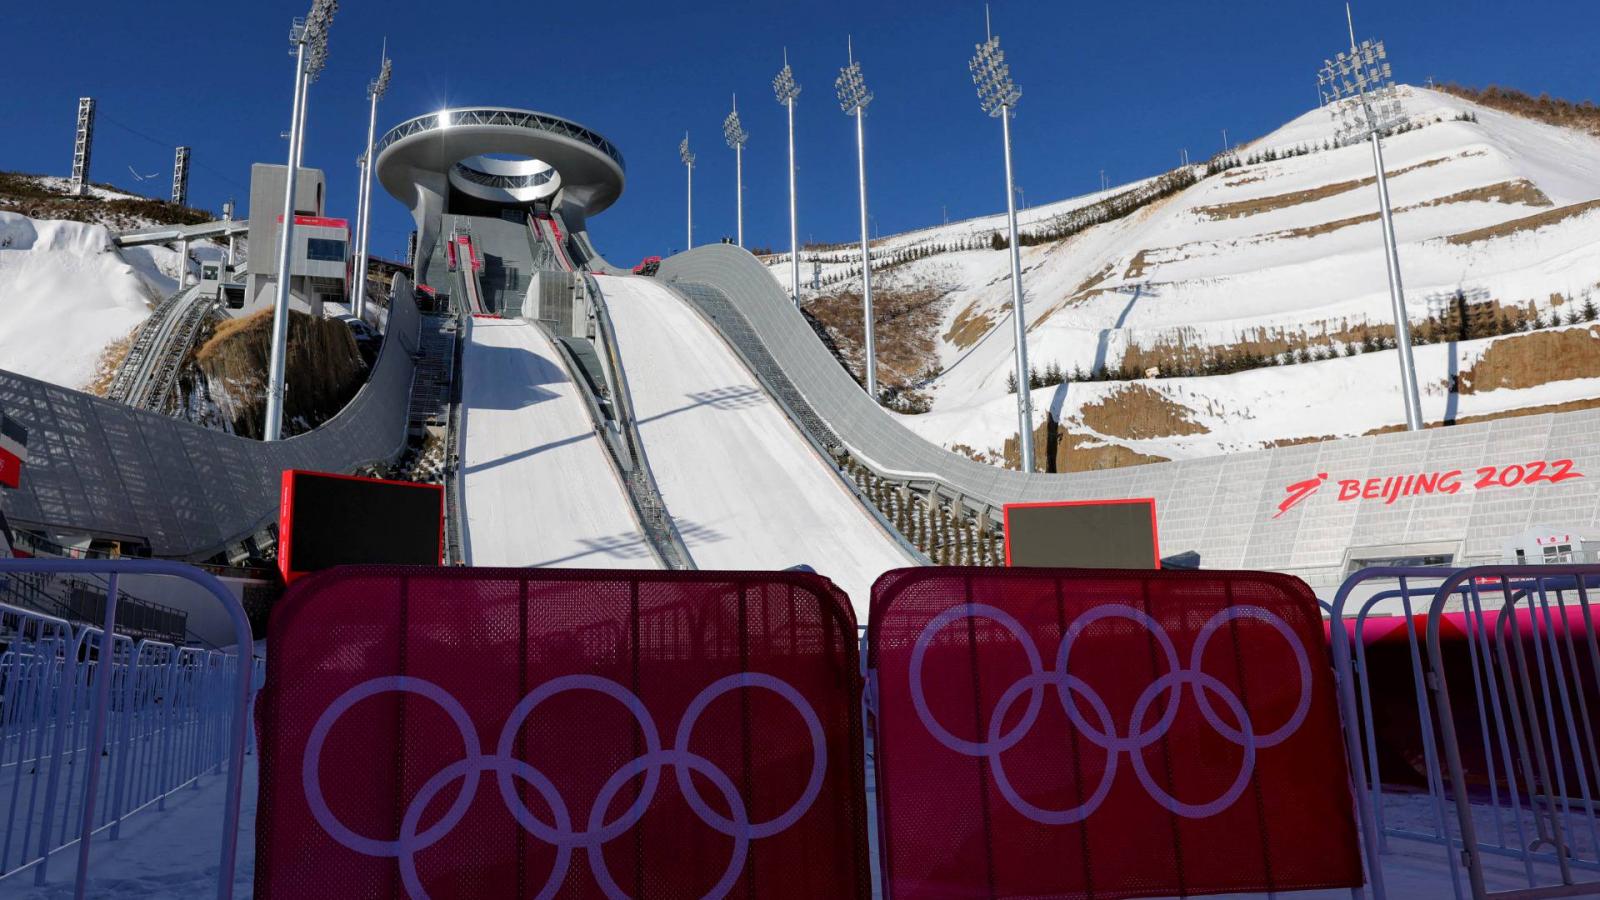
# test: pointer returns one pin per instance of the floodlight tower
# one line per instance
(308, 41)
(737, 137)
(1359, 89)
(82, 147)
(687, 156)
(787, 89)
(853, 100)
(375, 89)
(180, 177)
(998, 95)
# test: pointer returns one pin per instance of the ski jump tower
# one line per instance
(497, 162)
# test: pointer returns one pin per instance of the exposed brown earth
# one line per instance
(1583, 116)
(111, 359)
(1569, 406)
(1526, 223)
(1521, 191)
(906, 328)
(969, 326)
(1138, 265)
(324, 370)
(1529, 360)
(1241, 208)
(1138, 412)
(1094, 279)
(1057, 448)
(24, 194)
(1182, 351)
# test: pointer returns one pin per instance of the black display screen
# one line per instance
(334, 521)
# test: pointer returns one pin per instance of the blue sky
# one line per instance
(1114, 86)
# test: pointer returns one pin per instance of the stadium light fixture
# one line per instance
(1359, 90)
(998, 96)
(787, 89)
(737, 137)
(688, 163)
(853, 100)
(308, 41)
(375, 89)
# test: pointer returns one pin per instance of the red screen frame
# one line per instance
(286, 515)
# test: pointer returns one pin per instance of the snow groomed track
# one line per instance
(537, 486)
(746, 489)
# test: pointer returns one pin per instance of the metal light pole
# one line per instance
(998, 95)
(853, 100)
(737, 138)
(1359, 90)
(688, 164)
(375, 89)
(309, 39)
(787, 90)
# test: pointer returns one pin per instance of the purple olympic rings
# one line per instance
(995, 741)
(561, 834)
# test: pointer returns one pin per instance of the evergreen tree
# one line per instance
(1589, 311)
(1011, 382)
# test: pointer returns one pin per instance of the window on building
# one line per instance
(1428, 559)
(324, 250)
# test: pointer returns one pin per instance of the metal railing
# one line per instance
(94, 729)
(639, 478)
(1503, 666)
(492, 116)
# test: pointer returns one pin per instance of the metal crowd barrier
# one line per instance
(1503, 669)
(93, 730)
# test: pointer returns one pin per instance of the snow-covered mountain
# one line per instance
(69, 298)
(67, 294)
(1273, 272)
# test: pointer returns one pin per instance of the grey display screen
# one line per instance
(1109, 534)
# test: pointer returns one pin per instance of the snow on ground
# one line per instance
(159, 854)
(1343, 397)
(539, 488)
(173, 854)
(1289, 245)
(66, 293)
(746, 490)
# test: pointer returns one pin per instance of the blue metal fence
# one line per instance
(94, 729)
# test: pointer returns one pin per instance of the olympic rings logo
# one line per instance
(1104, 734)
(560, 833)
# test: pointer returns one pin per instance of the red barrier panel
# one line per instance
(1099, 733)
(533, 733)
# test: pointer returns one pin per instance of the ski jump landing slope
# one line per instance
(538, 487)
(746, 490)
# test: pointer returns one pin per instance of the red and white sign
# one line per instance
(1415, 484)
(320, 222)
(13, 451)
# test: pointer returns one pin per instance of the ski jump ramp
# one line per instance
(538, 488)
(745, 487)
(1237, 510)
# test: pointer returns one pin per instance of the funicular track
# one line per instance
(148, 377)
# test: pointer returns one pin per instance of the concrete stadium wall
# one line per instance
(1225, 507)
(100, 467)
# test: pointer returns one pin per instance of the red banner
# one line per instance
(521, 733)
(10, 469)
(1099, 733)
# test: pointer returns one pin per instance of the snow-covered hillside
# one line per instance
(66, 294)
(1277, 260)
